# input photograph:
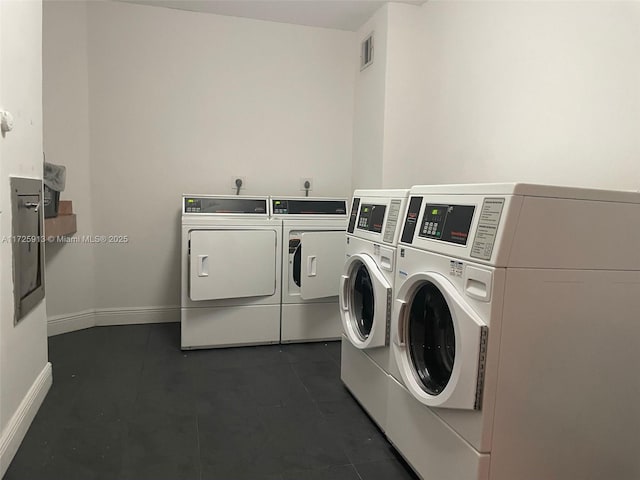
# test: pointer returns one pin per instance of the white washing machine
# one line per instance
(366, 295)
(312, 256)
(515, 334)
(231, 257)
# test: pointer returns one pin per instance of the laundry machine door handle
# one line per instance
(343, 292)
(400, 338)
(312, 265)
(203, 265)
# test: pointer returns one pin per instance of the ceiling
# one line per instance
(338, 14)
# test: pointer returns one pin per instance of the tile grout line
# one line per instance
(198, 448)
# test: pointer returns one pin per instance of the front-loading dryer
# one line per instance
(312, 252)
(513, 326)
(230, 264)
(366, 295)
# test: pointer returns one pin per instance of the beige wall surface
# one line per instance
(181, 102)
(544, 92)
(23, 347)
(70, 272)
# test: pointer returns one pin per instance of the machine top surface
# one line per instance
(529, 189)
(526, 226)
(382, 193)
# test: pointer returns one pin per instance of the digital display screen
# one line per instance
(449, 223)
(371, 217)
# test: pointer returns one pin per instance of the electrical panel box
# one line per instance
(27, 237)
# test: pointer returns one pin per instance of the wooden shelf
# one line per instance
(62, 225)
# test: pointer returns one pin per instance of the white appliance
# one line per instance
(366, 295)
(515, 334)
(231, 257)
(312, 257)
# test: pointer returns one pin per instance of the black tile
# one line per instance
(334, 349)
(78, 451)
(278, 385)
(304, 439)
(164, 339)
(161, 448)
(128, 404)
(334, 472)
(239, 357)
(226, 392)
(391, 469)
(359, 437)
(307, 352)
(211, 474)
(322, 380)
(237, 446)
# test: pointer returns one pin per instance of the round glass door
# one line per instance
(363, 307)
(431, 339)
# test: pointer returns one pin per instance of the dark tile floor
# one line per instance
(127, 404)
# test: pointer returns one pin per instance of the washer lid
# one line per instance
(365, 302)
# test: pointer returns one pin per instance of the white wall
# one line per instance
(181, 102)
(404, 77)
(69, 267)
(23, 348)
(369, 111)
(519, 91)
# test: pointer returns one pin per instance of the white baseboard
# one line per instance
(17, 427)
(137, 315)
(111, 316)
(71, 322)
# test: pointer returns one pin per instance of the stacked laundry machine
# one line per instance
(515, 333)
(366, 295)
(260, 270)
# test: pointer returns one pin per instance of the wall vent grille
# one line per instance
(366, 52)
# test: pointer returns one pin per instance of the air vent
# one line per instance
(366, 52)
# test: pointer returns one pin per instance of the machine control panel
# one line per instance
(309, 207)
(392, 221)
(371, 217)
(411, 219)
(354, 214)
(449, 223)
(213, 205)
(487, 230)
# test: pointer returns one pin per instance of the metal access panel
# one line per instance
(321, 263)
(232, 264)
(27, 245)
